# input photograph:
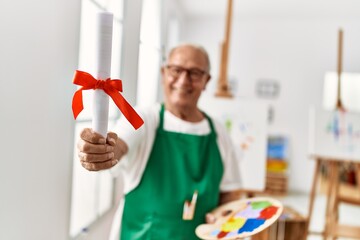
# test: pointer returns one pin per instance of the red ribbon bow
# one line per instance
(111, 88)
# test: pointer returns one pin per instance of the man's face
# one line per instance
(184, 77)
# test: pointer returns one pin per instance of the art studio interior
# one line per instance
(285, 84)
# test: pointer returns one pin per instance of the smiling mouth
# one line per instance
(182, 90)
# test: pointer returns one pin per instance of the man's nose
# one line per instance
(184, 77)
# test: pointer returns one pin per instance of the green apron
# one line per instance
(179, 164)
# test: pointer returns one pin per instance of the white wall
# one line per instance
(38, 56)
(172, 23)
(296, 52)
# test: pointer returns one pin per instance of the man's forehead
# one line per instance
(187, 55)
(187, 51)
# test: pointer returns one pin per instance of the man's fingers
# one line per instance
(85, 157)
(87, 147)
(99, 166)
(111, 138)
(95, 152)
(210, 218)
(91, 136)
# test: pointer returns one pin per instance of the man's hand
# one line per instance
(225, 197)
(210, 218)
(97, 153)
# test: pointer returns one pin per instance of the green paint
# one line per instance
(260, 205)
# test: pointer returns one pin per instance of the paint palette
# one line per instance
(241, 218)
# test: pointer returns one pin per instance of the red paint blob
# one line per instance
(222, 234)
(268, 212)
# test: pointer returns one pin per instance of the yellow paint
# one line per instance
(233, 224)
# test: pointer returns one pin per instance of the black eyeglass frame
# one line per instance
(199, 73)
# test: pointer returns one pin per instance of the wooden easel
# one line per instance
(332, 228)
(223, 89)
(339, 104)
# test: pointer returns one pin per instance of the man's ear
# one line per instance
(208, 78)
(207, 81)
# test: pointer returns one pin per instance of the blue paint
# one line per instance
(251, 224)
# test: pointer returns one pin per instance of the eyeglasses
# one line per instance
(195, 74)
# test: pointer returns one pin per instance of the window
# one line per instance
(150, 53)
(92, 192)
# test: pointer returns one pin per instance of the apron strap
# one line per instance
(161, 115)
(212, 127)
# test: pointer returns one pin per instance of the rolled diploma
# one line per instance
(102, 71)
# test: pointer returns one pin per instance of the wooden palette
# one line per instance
(241, 218)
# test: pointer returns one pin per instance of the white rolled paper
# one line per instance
(104, 28)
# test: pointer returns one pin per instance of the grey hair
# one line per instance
(194, 46)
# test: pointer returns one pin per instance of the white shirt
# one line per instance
(140, 142)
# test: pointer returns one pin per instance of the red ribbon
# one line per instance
(111, 88)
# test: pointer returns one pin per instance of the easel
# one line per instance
(223, 89)
(333, 228)
(339, 104)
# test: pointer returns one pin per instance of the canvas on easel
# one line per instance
(246, 122)
(335, 134)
